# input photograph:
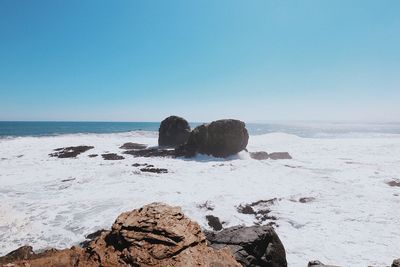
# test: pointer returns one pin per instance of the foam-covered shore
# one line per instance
(353, 221)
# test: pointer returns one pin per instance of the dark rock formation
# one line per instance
(154, 235)
(214, 222)
(130, 145)
(151, 152)
(252, 246)
(220, 138)
(112, 156)
(70, 152)
(396, 263)
(261, 155)
(92, 155)
(174, 131)
(280, 155)
(154, 170)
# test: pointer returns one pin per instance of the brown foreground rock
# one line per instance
(154, 235)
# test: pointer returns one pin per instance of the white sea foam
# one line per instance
(354, 220)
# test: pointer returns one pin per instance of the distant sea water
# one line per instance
(302, 129)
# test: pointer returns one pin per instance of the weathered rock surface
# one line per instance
(70, 152)
(130, 145)
(220, 138)
(173, 131)
(252, 246)
(396, 263)
(154, 235)
(112, 156)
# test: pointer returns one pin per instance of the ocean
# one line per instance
(301, 129)
(344, 169)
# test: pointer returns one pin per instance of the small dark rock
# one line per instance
(154, 170)
(174, 131)
(396, 263)
(68, 180)
(261, 155)
(394, 183)
(255, 246)
(70, 152)
(280, 155)
(246, 209)
(112, 156)
(92, 155)
(317, 263)
(133, 146)
(138, 164)
(306, 199)
(214, 222)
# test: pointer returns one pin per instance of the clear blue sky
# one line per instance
(252, 60)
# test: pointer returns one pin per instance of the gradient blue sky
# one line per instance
(252, 60)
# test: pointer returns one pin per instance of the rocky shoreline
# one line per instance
(161, 235)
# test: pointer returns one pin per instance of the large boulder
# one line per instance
(254, 246)
(220, 138)
(154, 235)
(174, 131)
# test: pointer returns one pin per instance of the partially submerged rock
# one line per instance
(260, 155)
(317, 263)
(220, 138)
(306, 199)
(394, 183)
(70, 152)
(154, 170)
(154, 235)
(131, 145)
(214, 222)
(151, 152)
(252, 246)
(279, 155)
(260, 209)
(112, 156)
(173, 131)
